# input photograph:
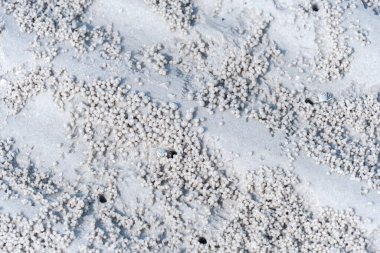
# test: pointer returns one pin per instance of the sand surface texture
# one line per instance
(189, 126)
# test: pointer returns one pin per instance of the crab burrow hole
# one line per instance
(202, 240)
(171, 153)
(102, 199)
(315, 7)
(309, 101)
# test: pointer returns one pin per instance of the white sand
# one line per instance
(189, 126)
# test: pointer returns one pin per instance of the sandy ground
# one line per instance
(40, 130)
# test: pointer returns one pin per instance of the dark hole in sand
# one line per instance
(102, 199)
(309, 101)
(171, 153)
(315, 7)
(202, 240)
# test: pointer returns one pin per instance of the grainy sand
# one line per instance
(189, 126)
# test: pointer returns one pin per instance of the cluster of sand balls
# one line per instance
(112, 119)
(179, 174)
(239, 87)
(46, 229)
(61, 21)
(108, 40)
(341, 135)
(169, 174)
(271, 217)
(237, 83)
(196, 50)
(194, 177)
(276, 107)
(336, 133)
(58, 20)
(157, 59)
(20, 91)
(239, 75)
(179, 14)
(360, 33)
(44, 50)
(321, 126)
(59, 209)
(336, 62)
(183, 173)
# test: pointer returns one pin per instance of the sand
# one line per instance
(189, 126)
